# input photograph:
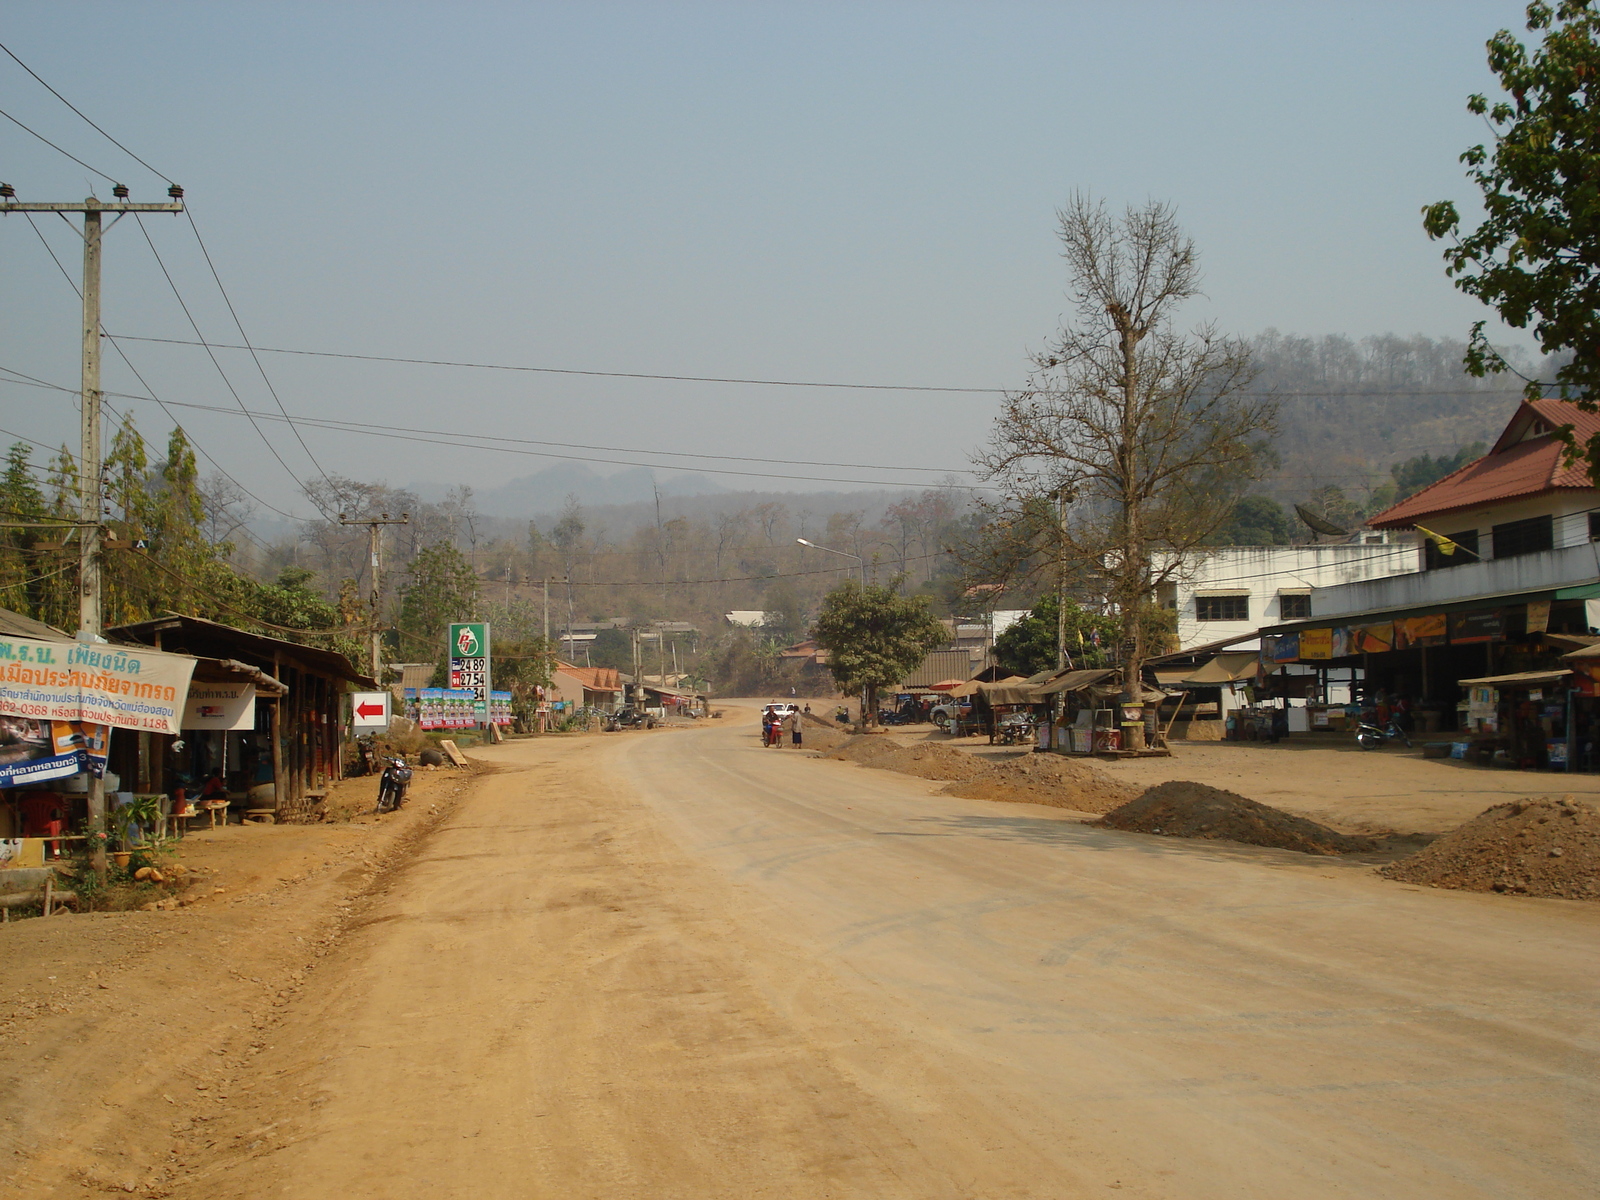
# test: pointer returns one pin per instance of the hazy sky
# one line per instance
(842, 192)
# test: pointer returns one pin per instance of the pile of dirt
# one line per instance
(1025, 779)
(1540, 846)
(1046, 779)
(1181, 808)
(926, 760)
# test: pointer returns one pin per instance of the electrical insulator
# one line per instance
(175, 192)
(120, 191)
(7, 191)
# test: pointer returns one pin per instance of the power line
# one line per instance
(80, 112)
(226, 381)
(431, 362)
(794, 383)
(239, 325)
(123, 354)
(53, 146)
(444, 437)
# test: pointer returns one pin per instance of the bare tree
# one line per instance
(226, 506)
(1132, 441)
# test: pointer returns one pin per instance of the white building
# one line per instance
(1229, 592)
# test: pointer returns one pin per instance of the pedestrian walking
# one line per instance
(794, 728)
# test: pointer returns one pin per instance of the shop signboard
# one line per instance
(1482, 625)
(469, 664)
(48, 680)
(1419, 631)
(1372, 639)
(35, 751)
(220, 706)
(1283, 648)
(1538, 616)
(1316, 643)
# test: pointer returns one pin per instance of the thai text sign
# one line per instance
(220, 706)
(104, 685)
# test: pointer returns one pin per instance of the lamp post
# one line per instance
(860, 562)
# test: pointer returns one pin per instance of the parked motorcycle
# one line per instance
(367, 754)
(1373, 737)
(392, 786)
(1015, 729)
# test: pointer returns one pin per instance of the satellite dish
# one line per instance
(1319, 524)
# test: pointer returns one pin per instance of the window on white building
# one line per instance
(1222, 608)
(1294, 606)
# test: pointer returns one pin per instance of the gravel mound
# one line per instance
(1181, 808)
(1025, 779)
(1541, 846)
(1046, 779)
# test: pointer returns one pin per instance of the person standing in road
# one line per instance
(794, 727)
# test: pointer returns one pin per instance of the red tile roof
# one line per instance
(1524, 462)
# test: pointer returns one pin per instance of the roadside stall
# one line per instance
(1085, 723)
(1005, 709)
(1227, 681)
(1583, 713)
(1517, 720)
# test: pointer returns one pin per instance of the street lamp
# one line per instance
(861, 562)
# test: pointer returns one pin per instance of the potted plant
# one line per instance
(129, 821)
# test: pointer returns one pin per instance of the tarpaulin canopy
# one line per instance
(1014, 690)
(1225, 668)
(1075, 681)
(1523, 679)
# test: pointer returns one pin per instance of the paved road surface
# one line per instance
(675, 964)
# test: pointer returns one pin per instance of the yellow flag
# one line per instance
(1446, 546)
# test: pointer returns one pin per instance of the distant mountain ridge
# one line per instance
(547, 490)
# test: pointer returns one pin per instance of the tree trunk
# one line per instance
(869, 710)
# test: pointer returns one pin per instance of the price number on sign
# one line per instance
(468, 673)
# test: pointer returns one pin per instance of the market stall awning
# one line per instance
(945, 685)
(1013, 690)
(1523, 679)
(1226, 668)
(1075, 681)
(1586, 652)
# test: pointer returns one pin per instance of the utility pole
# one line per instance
(1062, 496)
(375, 544)
(89, 467)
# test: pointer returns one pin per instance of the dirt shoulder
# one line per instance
(122, 1035)
(1329, 781)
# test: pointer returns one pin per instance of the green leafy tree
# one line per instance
(441, 588)
(1255, 521)
(1411, 476)
(1535, 257)
(875, 637)
(1029, 645)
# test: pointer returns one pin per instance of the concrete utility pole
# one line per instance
(375, 543)
(89, 466)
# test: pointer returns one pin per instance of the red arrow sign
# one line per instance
(369, 710)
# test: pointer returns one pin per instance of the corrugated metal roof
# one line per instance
(17, 625)
(1514, 468)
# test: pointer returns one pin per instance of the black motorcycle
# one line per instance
(392, 787)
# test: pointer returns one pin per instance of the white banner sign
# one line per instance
(105, 685)
(220, 706)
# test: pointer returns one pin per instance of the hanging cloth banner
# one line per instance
(1419, 631)
(1538, 616)
(34, 751)
(104, 685)
(1372, 639)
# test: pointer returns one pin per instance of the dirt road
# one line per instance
(674, 964)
